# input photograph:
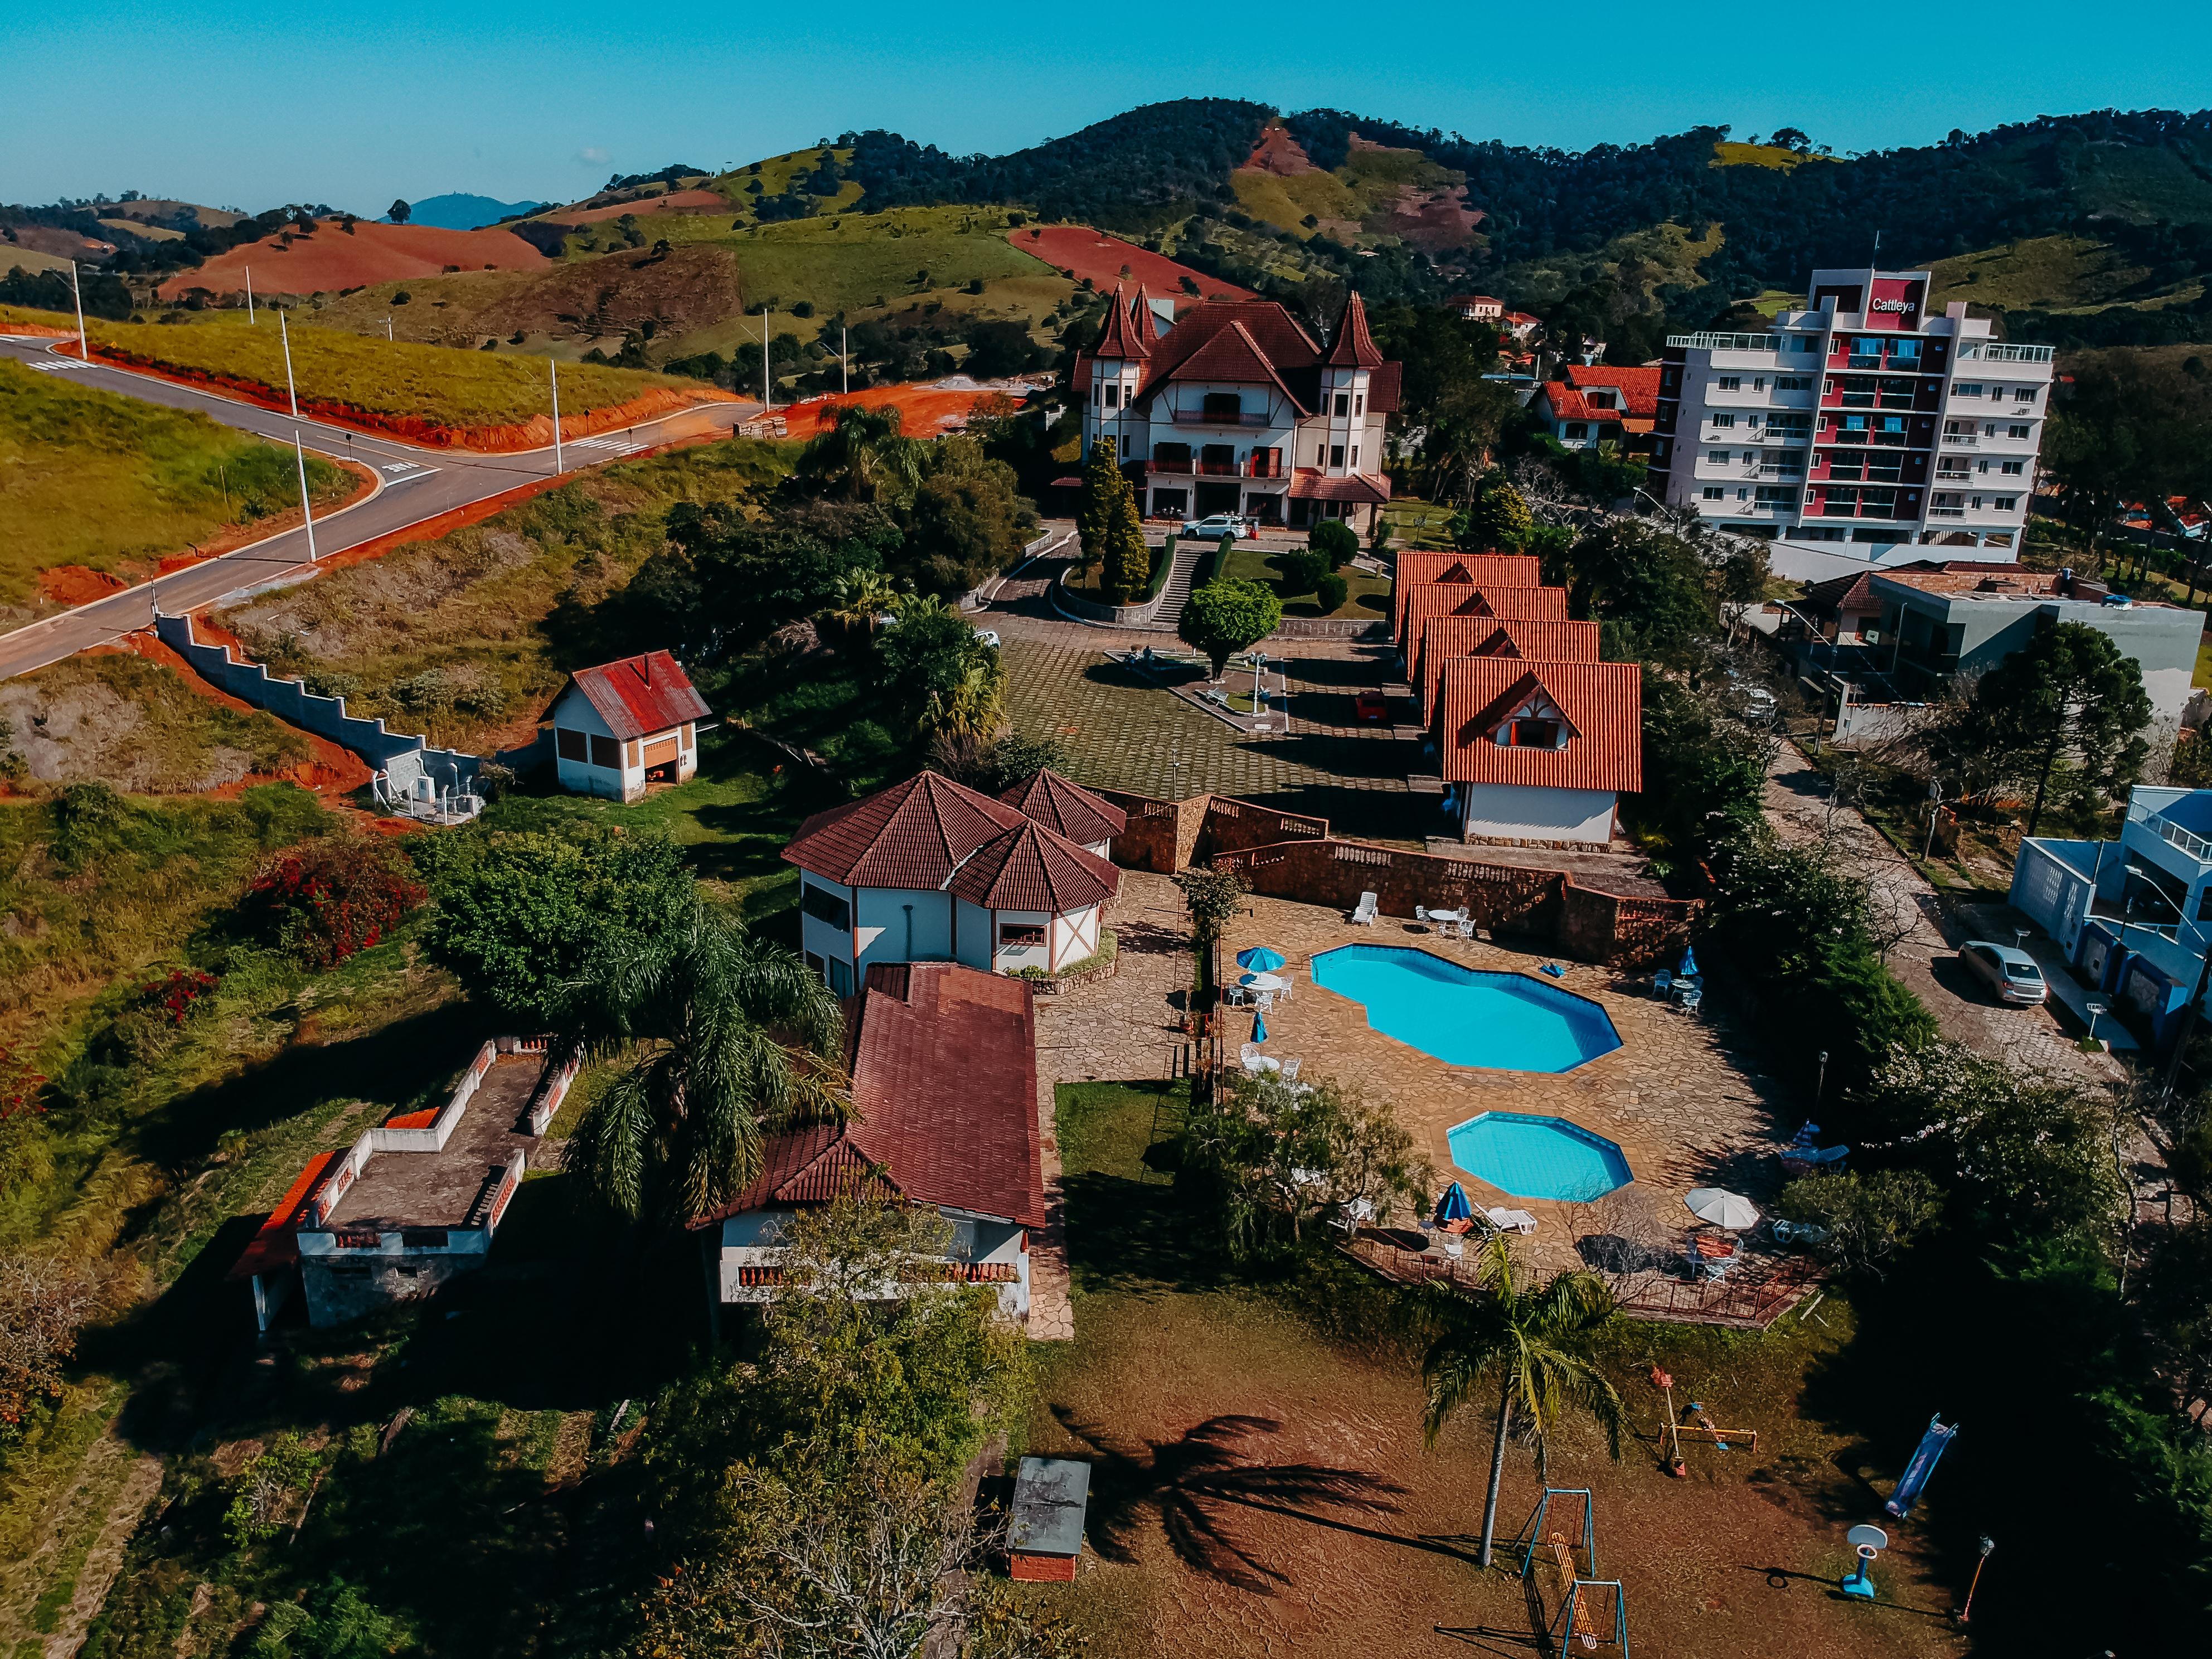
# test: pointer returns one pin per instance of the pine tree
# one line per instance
(1094, 504)
(1129, 561)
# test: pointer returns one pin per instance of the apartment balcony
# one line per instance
(1961, 441)
(1258, 467)
(1200, 417)
(1946, 512)
(1707, 342)
(1990, 351)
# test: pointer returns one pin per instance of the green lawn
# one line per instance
(1365, 597)
(1418, 523)
(94, 478)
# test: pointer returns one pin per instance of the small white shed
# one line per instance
(623, 726)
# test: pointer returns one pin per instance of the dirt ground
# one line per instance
(331, 259)
(1081, 252)
(924, 410)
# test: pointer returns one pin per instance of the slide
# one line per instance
(1922, 1466)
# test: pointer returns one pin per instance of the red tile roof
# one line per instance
(641, 695)
(944, 1099)
(1123, 337)
(1509, 604)
(1355, 347)
(1071, 809)
(1415, 568)
(1232, 354)
(1638, 386)
(1311, 485)
(277, 1244)
(913, 834)
(1443, 638)
(1034, 868)
(1603, 703)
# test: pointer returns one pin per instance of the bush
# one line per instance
(1301, 570)
(1869, 1218)
(1331, 592)
(327, 900)
(1335, 541)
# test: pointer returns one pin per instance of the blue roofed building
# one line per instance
(2133, 916)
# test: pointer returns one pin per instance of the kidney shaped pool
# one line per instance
(1499, 1022)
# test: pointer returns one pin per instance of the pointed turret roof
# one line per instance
(1355, 347)
(1121, 338)
(1141, 328)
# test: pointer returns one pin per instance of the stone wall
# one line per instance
(1291, 855)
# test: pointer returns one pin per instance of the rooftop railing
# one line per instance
(1726, 342)
(1991, 352)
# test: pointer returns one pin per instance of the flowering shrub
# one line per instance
(326, 899)
(175, 999)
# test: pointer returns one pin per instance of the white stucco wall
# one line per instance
(573, 712)
(1500, 811)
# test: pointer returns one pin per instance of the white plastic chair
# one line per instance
(1237, 996)
(1369, 905)
(1289, 1070)
(1266, 1000)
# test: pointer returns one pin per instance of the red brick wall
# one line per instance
(1232, 825)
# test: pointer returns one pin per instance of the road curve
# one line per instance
(414, 483)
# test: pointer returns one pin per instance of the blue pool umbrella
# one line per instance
(1689, 967)
(1453, 1206)
(1260, 959)
(1260, 1028)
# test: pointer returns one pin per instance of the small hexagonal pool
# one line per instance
(1501, 1022)
(1538, 1157)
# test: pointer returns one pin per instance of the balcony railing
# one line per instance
(1946, 512)
(1246, 469)
(1726, 342)
(1961, 440)
(1990, 351)
(2196, 846)
(1199, 417)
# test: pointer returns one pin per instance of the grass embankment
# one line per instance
(1365, 597)
(436, 386)
(1252, 1494)
(134, 725)
(468, 636)
(1363, 194)
(94, 478)
(2049, 273)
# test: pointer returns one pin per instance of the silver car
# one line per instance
(2012, 974)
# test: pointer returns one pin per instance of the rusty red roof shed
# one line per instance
(641, 696)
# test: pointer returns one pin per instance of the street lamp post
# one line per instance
(291, 391)
(306, 513)
(249, 296)
(553, 367)
(76, 292)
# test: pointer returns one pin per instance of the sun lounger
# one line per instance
(1511, 1221)
(1369, 905)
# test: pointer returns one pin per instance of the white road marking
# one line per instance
(56, 364)
(619, 446)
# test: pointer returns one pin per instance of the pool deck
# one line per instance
(1686, 1105)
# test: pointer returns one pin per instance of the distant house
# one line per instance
(1418, 567)
(1522, 326)
(1590, 405)
(931, 871)
(1478, 307)
(1538, 751)
(945, 1098)
(623, 726)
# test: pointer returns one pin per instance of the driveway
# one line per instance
(1925, 954)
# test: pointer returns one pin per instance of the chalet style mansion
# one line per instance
(1232, 408)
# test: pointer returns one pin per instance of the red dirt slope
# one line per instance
(679, 201)
(1080, 251)
(331, 260)
(1279, 153)
(925, 411)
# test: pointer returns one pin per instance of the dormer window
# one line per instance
(1530, 731)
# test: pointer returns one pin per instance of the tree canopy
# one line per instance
(2068, 696)
(1223, 617)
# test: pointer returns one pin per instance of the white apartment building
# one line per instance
(1859, 431)
(1234, 408)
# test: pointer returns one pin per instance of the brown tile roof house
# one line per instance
(1432, 599)
(1420, 568)
(1445, 638)
(929, 870)
(1537, 751)
(1086, 819)
(944, 1114)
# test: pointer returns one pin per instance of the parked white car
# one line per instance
(2012, 974)
(1221, 524)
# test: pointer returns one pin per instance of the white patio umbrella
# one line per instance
(1730, 1212)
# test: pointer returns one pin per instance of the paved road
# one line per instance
(414, 483)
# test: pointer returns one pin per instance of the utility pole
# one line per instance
(767, 399)
(77, 292)
(306, 514)
(284, 331)
(249, 294)
(554, 364)
(844, 360)
(387, 328)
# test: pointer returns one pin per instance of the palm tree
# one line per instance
(1533, 1342)
(861, 597)
(719, 1036)
(863, 457)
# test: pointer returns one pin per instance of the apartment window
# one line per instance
(1807, 343)
(1355, 458)
(1336, 454)
(2017, 432)
(2008, 503)
(2023, 394)
(1724, 420)
(1718, 457)
(826, 907)
(1758, 383)
(1776, 495)
(607, 753)
(1021, 935)
(1743, 492)
(1793, 383)
(571, 745)
(2014, 468)
(1731, 383)
(1531, 734)
(1714, 493)
(1344, 402)
(1113, 394)
(1359, 403)
(1966, 391)
(1099, 393)
(1576, 430)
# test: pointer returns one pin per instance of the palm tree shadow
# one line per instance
(1190, 1481)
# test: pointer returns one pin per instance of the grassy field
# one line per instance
(1418, 523)
(433, 384)
(1364, 596)
(136, 725)
(468, 637)
(2046, 273)
(1252, 1496)
(1664, 255)
(1727, 154)
(93, 478)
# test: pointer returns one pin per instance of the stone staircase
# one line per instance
(1176, 589)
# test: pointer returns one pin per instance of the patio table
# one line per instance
(1261, 982)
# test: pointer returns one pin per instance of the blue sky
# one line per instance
(245, 105)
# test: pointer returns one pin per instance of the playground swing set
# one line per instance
(1592, 1614)
(1698, 1428)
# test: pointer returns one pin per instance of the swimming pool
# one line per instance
(1538, 1157)
(1500, 1021)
